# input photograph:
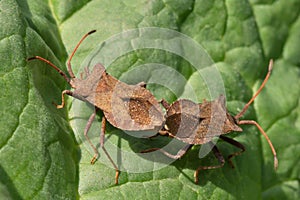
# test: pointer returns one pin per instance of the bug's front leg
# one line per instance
(68, 92)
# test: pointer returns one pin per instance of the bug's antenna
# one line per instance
(68, 63)
(239, 115)
(75, 49)
(52, 65)
(251, 122)
(266, 136)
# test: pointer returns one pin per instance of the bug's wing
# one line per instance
(215, 121)
(199, 123)
(182, 126)
(127, 107)
(182, 120)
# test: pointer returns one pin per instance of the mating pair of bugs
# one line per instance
(134, 108)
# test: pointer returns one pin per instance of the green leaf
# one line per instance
(43, 153)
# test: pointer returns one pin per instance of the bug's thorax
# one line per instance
(86, 86)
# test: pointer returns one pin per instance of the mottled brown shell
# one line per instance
(127, 107)
(199, 123)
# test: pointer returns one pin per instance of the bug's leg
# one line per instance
(102, 138)
(68, 92)
(86, 130)
(220, 158)
(179, 154)
(164, 133)
(161, 132)
(165, 104)
(236, 144)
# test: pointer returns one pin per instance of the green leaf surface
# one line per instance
(43, 154)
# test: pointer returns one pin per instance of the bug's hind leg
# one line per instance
(218, 155)
(236, 144)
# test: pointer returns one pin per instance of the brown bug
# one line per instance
(195, 124)
(127, 107)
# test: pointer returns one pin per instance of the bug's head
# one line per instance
(230, 123)
(72, 80)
